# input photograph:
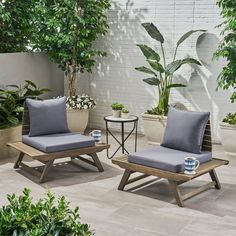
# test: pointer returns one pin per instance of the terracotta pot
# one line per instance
(9, 135)
(77, 120)
(228, 137)
(154, 127)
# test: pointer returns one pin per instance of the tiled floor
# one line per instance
(147, 210)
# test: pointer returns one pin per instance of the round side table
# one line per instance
(112, 119)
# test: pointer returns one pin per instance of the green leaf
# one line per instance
(149, 53)
(156, 66)
(152, 81)
(145, 70)
(153, 32)
(31, 83)
(175, 65)
(186, 35)
(13, 120)
(176, 85)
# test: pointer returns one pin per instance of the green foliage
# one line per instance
(66, 30)
(124, 110)
(15, 25)
(117, 106)
(22, 217)
(162, 74)
(12, 99)
(227, 48)
(230, 119)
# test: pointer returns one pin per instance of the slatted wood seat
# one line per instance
(48, 158)
(174, 179)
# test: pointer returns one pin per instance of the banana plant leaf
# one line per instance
(145, 70)
(186, 35)
(149, 53)
(153, 32)
(176, 86)
(156, 66)
(152, 81)
(175, 65)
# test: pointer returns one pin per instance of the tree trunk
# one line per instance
(72, 78)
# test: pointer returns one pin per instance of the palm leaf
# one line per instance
(175, 65)
(176, 86)
(153, 32)
(156, 66)
(145, 70)
(186, 35)
(149, 53)
(152, 81)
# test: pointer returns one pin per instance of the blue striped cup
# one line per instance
(191, 164)
(97, 135)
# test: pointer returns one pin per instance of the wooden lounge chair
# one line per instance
(48, 158)
(174, 179)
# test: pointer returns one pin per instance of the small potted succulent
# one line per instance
(116, 109)
(125, 113)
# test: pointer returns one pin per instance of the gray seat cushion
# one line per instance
(47, 116)
(185, 130)
(58, 142)
(166, 158)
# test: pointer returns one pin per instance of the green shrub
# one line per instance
(117, 106)
(230, 118)
(47, 217)
(12, 99)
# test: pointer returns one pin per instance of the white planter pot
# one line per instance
(116, 113)
(228, 137)
(77, 120)
(124, 115)
(7, 136)
(154, 127)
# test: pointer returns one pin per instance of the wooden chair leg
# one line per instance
(215, 178)
(46, 169)
(19, 160)
(177, 194)
(97, 162)
(124, 180)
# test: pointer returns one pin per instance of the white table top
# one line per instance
(119, 119)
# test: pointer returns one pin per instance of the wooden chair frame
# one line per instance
(174, 179)
(48, 158)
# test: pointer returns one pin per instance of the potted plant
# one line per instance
(47, 216)
(66, 31)
(160, 75)
(11, 108)
(227, 77)
(228, 133)
(116, 109)
(125, 113)
(77, 121)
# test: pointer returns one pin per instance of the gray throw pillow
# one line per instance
(47, 116)
(185, 130)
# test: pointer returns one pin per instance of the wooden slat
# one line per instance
(198, 190)
(38, 155)
(203, 168)
(137, 178)
(31, 170)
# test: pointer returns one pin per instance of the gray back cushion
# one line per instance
(47, 116)
(185, 130)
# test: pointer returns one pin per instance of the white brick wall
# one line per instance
(115, 79)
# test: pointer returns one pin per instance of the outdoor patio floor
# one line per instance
(147, 210)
